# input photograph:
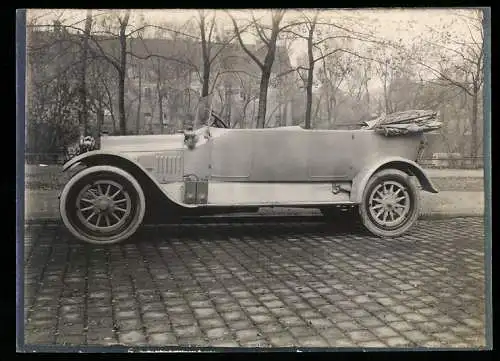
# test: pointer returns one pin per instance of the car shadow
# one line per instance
(258, 227)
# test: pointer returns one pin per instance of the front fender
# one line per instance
(145, 179)
(408, 166)
(94, 154)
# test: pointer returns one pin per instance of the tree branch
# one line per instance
(445, 77)
(223, 46)
(291, 70)
(245, 49)
(327, 54)
(260, 33)
(283, 28)
(166, 58)
(212, 25)
(136, 30)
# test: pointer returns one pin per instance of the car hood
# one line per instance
(142, 143)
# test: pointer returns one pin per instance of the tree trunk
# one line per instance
(309, 96)
(204, 94)
(151, 117)
(318, 107)
(310, 75)
(122, 72)
(261, 113)
(266, 66)
(332, 110)
(83, 113)
(368, 105)
(121, 103)
(160, 96)
(229, 112)
(160, 104)
(203, 115)
(100, 121)
(206, 79)
(139, 104)
(386, 98)
(474, 133)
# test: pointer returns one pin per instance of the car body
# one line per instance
(216, 169)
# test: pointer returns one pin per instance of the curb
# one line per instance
(439, 216)
(426, 216)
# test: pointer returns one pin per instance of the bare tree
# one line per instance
(83, 112)
(324, 39)
(265, 66)
(99, 47)
(393, 68)
(139, 99)
(202, 33)
(53, 102)
(160, 90)
(332, 75)
(206, 27)
(121, 67)
(461, 59)
(101, 92)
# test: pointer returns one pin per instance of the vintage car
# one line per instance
(216, 169)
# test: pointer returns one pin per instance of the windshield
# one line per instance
(206, 115)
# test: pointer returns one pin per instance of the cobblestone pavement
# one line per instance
(259, 284)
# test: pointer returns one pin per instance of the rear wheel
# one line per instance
(102, 205)
(391, 203)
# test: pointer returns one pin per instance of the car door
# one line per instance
(280, 155)
(330, 154)
(230, 154)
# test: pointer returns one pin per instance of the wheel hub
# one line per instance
(388, 201)
(103, 204)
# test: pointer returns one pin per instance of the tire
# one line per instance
(393, 213)
(102, 205)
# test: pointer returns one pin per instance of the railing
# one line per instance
(452, 162)
(45, 158)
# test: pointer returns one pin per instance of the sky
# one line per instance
(390, 23)
(385, 23)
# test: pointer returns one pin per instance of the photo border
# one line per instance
(20, 49)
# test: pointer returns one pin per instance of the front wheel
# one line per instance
(390, 204)
(102, 205)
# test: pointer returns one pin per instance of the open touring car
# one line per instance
(217, 169)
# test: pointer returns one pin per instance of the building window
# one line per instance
(274, 83)
(147, 92)
(132, 71)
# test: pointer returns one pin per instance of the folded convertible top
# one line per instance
(405, 122)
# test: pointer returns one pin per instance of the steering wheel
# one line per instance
(218, 122)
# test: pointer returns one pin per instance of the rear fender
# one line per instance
(409, 167)
(149, 184)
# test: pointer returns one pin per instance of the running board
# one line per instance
(247, 194)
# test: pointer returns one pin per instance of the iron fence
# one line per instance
(46, 158)
(453, 163)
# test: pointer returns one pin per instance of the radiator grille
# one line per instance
(169, 167)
